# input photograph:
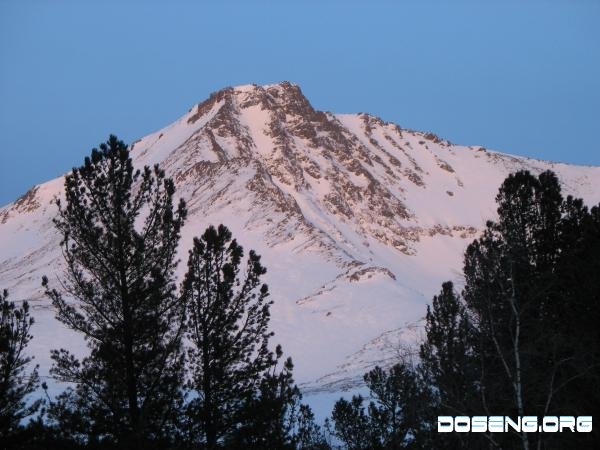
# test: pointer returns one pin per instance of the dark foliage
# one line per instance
(16, 384)
(392, 418)
(120, 235)
(241, 400)
(449, 369)
(533, 343)
(228, 329)
(521, 340)
(274, 417)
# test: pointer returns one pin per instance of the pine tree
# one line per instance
(228, 330)
(15, 384)
(506, 293)
(309, 435)
(120, 234)
(449, 369)
(392, 419)
(518, 289)
(274, 417)
(575, 317)
(521, 339)
(352, 425)
(241, 398)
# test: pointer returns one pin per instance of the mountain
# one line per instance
(357, 220)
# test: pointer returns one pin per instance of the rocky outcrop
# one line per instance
(357, 219)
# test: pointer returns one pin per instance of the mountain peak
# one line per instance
(284, 94)
(358, 221)
(283, 85)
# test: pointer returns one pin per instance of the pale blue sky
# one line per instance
(520, 77)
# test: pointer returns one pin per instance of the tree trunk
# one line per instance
(517, 350)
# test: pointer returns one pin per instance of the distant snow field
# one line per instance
(358, 222)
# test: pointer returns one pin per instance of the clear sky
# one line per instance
(521, 77)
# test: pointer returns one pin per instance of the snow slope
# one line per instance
(357, 220)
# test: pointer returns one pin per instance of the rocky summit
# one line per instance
(358, 220)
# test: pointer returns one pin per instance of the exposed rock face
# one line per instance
(296, 150)
(358, 220)
(24, 204)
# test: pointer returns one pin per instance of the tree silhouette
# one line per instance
(120, 234)
(15, 383)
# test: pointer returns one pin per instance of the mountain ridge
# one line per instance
(357, 219)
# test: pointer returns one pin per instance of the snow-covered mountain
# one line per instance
(357, 220)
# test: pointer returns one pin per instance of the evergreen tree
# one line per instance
(120, 234)
(309, 435)
(392, 419)
(15, 384)
(507, 292)
(273, 417)
(575, 317)
(522, 339)
(447, 353)
(518, 290)
(352, 425)
(241, 399)
(449, 369)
